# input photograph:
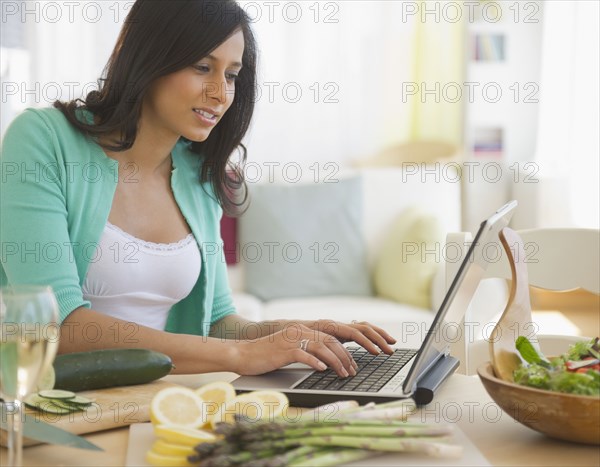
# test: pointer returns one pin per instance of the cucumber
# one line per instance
(99, 369)
(33, 400)
(57, 394)
(57, 405)
(79, 400)
(49, 407)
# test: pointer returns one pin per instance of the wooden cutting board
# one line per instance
(113, 408)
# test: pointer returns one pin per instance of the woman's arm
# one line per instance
(324, 336)
(86, 329)
(371, 337)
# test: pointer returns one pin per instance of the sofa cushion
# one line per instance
(408, 259)
(304, 240)
(407, 324)
(247, 306)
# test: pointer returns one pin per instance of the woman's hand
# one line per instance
(315, 343)
(371, 337)
(294, 343)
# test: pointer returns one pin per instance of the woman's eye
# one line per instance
(232, 77)
(202, 68)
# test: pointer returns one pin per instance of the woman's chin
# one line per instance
(196, 137)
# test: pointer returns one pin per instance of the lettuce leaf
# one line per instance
(529, 353)
(539, 373)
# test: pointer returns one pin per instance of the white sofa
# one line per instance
(387, 192)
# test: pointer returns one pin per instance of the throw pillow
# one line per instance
(408, 259)
(300, 240)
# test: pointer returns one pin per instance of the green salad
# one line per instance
(575, 372)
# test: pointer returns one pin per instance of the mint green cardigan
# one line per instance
(56, 192)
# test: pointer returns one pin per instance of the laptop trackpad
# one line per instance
(278, 379)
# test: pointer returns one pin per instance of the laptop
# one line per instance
(407, 373)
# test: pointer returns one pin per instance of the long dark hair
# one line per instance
(160, 37)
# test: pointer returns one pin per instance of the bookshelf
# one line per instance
(502, 72)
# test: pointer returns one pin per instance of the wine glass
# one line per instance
(29, 334)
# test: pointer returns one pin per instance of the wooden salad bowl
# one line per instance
(568, 417)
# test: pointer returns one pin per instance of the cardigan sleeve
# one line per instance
(34, 233)
(222, 302)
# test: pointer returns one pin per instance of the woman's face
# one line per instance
(191, 101)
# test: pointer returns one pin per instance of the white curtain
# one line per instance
(568, 136)
(348, 63)
(330, 73)
(60, 52)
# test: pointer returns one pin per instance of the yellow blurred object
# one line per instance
(413, 152)
(165, 448)
(177, 406)
(256, 405)
(214, 395)
(183, 436)
(47, 380)
(154, 458)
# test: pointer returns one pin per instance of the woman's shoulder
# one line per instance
(46, 135)
(49, 119)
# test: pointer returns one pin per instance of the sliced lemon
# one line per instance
(177, 406)
(214, 396)
(183, 436)
(160, 446)
(154, 458)
(256, 405)
(218, 392)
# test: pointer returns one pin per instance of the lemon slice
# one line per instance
(183, 436)
(215, 395)
(177, 406)
(218, 392)
(256, 405)
(165, 448)
(154, 458)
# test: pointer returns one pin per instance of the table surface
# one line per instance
(462, 400)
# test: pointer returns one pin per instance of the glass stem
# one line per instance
(15, 434)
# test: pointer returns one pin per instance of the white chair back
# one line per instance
(557, 259)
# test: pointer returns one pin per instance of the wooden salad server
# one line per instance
(516, 319)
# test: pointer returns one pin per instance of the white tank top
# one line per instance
(139, 281)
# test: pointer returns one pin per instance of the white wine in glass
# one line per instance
(29, 333)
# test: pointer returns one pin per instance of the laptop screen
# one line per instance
(445, 325)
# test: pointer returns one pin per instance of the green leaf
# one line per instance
(528, 352)
(579, 350)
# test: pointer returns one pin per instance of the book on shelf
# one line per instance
(488, 48)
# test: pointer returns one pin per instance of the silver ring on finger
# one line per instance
(354, 322)
(304, 344)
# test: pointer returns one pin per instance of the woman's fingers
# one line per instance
(388, 338)
(327, 349)
(301, 356)
(363, 333)
(367, 336)
(334, 355)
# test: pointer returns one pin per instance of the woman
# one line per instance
(116, 202)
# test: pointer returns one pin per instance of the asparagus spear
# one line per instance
(372, 431)
(366, 431)
(240, 458)
(281, 460)
(360, 427)
(434, 448)
(336, 457)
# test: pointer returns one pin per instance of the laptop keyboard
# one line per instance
(373, 372)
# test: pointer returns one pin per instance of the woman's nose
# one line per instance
(218, 90)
